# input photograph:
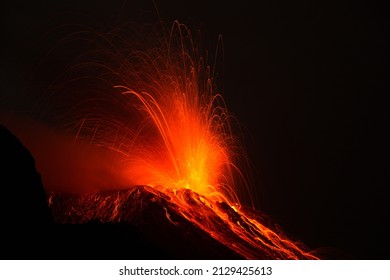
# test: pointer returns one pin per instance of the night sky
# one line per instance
(305, 80)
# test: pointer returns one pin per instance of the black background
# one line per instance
(306, 80)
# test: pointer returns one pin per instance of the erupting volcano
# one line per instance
(172, 143)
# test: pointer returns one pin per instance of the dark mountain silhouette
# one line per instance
(22, 194)
(183, 223)
(25, 218)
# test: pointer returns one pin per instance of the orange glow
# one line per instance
(183, 147)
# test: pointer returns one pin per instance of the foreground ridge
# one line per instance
(244, 231)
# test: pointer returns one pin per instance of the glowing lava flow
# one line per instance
(183, 148)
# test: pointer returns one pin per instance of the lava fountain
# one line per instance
(172, 133)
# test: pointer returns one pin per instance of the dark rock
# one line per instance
(24, 216)
(22, 194)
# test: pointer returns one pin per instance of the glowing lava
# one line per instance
(181, 144)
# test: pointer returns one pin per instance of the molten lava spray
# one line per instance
(172, 132)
